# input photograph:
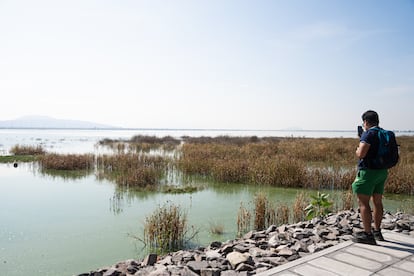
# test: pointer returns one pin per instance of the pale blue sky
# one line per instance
(209, 64)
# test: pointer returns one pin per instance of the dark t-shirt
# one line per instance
(370, 137)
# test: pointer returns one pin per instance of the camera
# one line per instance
(360, 131)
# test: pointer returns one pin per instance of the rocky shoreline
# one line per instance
(257, 251)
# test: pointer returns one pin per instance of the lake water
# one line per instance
(50, 225)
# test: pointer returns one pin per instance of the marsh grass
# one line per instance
(310, 163)
(72, 162)
(265, 213)
(166, 229)
(132, 169)
(407, 207)
(27, 150)
(216, 228)
(299, 206)
(282, 214)
(276, 162)
(141, 143)
(17, 158)
(184, 189)
(244, 217)
(348, 200)
(260, 208)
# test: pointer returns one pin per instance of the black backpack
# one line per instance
(388, 153)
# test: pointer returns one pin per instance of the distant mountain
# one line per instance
(49, 122)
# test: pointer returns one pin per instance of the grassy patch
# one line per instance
(17, 158)
(166, 229)
(173, 189)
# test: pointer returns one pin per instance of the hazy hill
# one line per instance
(49, 122)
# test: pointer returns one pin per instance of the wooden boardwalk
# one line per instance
(395, 256)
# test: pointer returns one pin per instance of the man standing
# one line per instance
(369, 183)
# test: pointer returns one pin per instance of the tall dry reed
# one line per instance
(301, 201)
(27, 150)
(243, 220)
(132, 169)
(166, 228)
(282, 214)
(53, 161)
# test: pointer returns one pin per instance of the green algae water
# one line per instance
(65, 225)
(56, 226)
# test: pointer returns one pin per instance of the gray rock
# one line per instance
(236, 258)
(274, 241)
(275, 261)
(229, 273)
(248, 235)
(213, 254)
(166, 260)
(112, 272)
(150, 259)
(287, 252)
(300, 246)
(242, 248)
(215, 245)
(210, 272)
(270, 229)
(197, 266)
(244, 267)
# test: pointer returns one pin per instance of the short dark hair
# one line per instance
(371, 117)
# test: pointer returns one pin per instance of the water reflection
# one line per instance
(66, 175)
(125, 196)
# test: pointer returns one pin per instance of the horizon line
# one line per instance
(197, 129)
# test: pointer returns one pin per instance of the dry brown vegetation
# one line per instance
(55, 161)
(288, 162)
(166, 229)
(312, 163)
(27, 150)
(132, 169)
(265, 212)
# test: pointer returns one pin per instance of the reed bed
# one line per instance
(166, 228)
(268, 162)
(244, 217)
(141, 143)
(260, 210)
(264, 214)
(52, 161)
(226, 140)
(299, 205)
(282, 214)
(313, 163)
(27, 150)
(133, 170)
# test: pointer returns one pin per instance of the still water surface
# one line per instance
(61, 226)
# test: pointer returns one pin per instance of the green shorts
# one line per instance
(369, 182)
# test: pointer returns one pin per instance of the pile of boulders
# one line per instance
(257, 251)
